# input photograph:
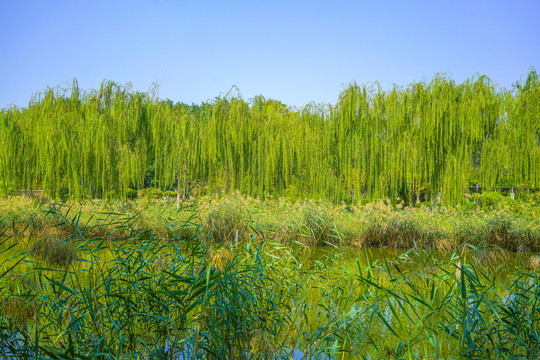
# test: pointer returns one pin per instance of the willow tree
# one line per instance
(433, 138)
(173, 136)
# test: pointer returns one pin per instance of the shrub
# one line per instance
(491, 200)
(169, 194)
(131, 194)
(150, 193)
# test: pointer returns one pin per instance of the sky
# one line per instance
(294, 51)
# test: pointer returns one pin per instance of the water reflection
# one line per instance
(331, 296)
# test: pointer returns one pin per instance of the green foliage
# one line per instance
(54, 252)
(489, 199)
(398, 232)
(131, 194)
(150, 193)
(310, 222)
(169, 194)
(150, 300)
(319, 226)
(18, 310)
(225, 222)
(142, 298)
(7, 189)
(428, 140)
(154, 193)
(510, 233)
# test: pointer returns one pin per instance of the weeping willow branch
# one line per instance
(428, 139)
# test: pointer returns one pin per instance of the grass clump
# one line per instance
(319, 226)
(509, 232)
(534, 262)
(18, 310)
(225, 221)
(499, 230)
(161, 263)
(263, 344)
(399, 230)
(54, 252)
(219, 258)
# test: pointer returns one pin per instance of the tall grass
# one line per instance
(140, 297)
(235, 218)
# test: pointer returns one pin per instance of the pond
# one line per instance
(250, 300)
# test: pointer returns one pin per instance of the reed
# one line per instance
(225, 221)
(234, 218)
(142, 297)
(54, 252)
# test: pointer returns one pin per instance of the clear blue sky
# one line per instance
(292, 51)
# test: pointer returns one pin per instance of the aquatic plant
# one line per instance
(225, 221)
(148, 297)
(54, 252)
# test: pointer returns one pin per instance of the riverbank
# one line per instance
(233, 278)
(134, 298)
(507, 225)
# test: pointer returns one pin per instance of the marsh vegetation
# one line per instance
(398, 224)
(507, 224)
(204, 296)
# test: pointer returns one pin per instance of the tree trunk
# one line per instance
(178, 192)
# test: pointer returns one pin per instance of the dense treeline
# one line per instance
(433, 139)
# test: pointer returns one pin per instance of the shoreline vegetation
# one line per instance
(145, 280)
(491, 221)
(433, 141)
(133, 227)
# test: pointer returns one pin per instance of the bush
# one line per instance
(7, 189)
(491, 200)
(131, 194)
(150, 193)
(169, 194)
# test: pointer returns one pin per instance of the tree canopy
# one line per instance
(435, 137)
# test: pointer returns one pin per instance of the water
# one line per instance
(331, 289)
